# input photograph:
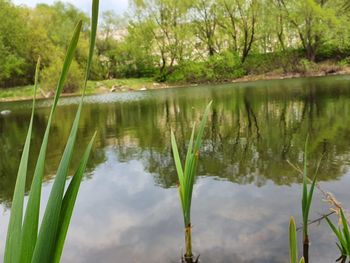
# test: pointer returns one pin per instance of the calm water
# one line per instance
(128, 209)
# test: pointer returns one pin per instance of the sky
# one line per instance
(119, 6)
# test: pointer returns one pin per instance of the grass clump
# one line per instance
(343, 236)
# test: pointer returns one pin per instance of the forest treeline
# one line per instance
(177, 41)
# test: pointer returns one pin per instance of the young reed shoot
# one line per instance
(187, 175)
(307, 195)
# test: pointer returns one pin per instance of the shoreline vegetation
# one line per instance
(160, 44)
(23, 93)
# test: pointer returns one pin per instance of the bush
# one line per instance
(286, 62)
(50, 76)
(220, 67)
(190, 72)
(226, 66)
(306, 66)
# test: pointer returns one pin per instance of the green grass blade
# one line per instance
(190, 148)
(302, 260)
(14, 230)
(201, 127)
(345, 229)
(337, 233)
(69, 202)
(47, 234)
(179, 170)
(310, 195)
(31, 220)
(188, 177)
(305, 193)
(94, 24)
(48, 230)
(176, 155)
(293, 245)
(341, 249)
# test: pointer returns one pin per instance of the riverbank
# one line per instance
(141, 84)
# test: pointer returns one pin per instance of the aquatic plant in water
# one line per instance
(343, 236)
(306, 203)
(24, 242)
(293, 243)
(186, 178)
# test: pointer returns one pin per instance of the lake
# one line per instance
(128, 209)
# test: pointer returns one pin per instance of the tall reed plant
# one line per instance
(187, 176)
(26, 242)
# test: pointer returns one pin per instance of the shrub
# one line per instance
(286, 61)
(226, 66)
(305, 66)
(190, 72)
(220, 67)
(50, 76)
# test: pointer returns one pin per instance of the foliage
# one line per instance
(51, 74)
(191, 72)
(12, 50)
(293, 243)
(343, 235)
(181, 41)
(226, 66)
(24, 243)
(219, 67)
(306, 195)
(286, 61)
(187, 175)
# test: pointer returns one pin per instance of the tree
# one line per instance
(313, 20)
(205, 21)
(167, 22)
(13, 33)
(239, 19)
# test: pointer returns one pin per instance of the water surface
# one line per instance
(128, 209)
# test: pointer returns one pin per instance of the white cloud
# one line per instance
(119, 6)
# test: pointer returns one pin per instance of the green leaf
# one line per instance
(69, 202)
(337, 233)
(14, 230)
(345, 229)
(178, 169)
(94, 24)
(306, 197)
(310, 195)
(31, 220)
(48, 231)
(202, 126)
(187, 175)
(293, 245)
(176, 155)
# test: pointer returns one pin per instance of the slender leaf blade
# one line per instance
(69, 202)
(31, 220)
(293, 245)
(14, 230)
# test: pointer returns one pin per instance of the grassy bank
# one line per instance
(135, 84)
(93, 87)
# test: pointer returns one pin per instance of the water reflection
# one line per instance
(128, 205)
